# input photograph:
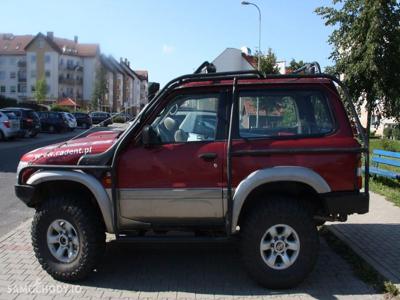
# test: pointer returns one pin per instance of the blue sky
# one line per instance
(171, 38)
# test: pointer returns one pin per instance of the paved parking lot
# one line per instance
(167, 271)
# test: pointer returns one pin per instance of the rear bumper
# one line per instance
(346, 203)
(9, 133)
(25, 193)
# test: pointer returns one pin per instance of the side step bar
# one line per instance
(173, 239)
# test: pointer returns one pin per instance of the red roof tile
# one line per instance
(250, 59)
(81, 49)
(67, 102)
(143, 74)
(13, 44)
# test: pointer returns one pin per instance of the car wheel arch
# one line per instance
(282, 179)
(74, 181)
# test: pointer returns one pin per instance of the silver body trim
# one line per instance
(275, 174)
(148, 204)
(85, 179)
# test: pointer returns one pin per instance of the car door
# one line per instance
(180, 179)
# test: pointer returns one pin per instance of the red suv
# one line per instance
(217, 156)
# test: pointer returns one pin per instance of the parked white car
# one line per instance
(9, 125)
(71, 120)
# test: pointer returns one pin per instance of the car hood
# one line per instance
(68, 153)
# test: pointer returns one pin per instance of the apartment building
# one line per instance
(124, 86)
(132, 87)
(69, 68)
(144, 86)
(13, 65)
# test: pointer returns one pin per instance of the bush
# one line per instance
(56, 107)
(396, 132)
(7, 102)
(372, 134)
(119, 120)
(388, 132)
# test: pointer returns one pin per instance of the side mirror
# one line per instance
(150, 136)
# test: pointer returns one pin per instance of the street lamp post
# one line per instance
(259, 30)
(259, 52)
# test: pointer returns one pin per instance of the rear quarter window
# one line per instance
(283, 114)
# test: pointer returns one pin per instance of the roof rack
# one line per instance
(206, 67)
(309, 68)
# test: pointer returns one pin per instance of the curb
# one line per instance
(384, 272)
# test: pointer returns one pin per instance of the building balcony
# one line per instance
(21, 78)
(69, 67)
(70, 81)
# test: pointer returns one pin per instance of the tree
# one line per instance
(40, 90)
(100, 88)
(331, 70)
(267, 62)
(365, 40)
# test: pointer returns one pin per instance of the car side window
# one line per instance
(291, 113)
(188, 119)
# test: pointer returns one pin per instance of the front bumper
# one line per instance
(346, 203)
(25, 193)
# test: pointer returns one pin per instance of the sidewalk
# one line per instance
(167, 271)
(375, 236)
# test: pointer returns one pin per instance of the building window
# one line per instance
(61, 62)
(33, 58)
(33, 89)
(2, 75)
(33, 73)
(41, 44)
(2, 88)
(13, 89)
(47, 73)
(47, 58)
(12, 75)
(22, 88)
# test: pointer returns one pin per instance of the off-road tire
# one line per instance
(83, 216)
(269, 212)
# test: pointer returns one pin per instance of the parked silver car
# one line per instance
(9, 125)
(71, 120)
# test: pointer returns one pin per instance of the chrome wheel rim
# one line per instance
(63, 241)
(280, 246)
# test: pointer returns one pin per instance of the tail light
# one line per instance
(359, 173)
(6, 123)
(29, 120)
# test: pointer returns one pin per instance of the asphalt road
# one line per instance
(12, 210)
